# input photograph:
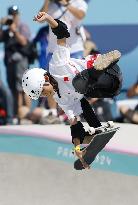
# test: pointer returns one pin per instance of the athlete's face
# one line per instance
(47, 90)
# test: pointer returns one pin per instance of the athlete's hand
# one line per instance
(80, 154)
(41, 17)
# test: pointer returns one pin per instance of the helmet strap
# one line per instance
(53, 82)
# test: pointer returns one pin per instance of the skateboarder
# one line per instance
(71, 81)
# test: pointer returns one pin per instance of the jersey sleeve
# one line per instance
(61, 55)
(89, 61)
(72, 111)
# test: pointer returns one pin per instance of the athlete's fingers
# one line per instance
(38, 19)
(35, 18)
(40, 14)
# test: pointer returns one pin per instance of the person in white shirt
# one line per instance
(69, 80)
(71, 12)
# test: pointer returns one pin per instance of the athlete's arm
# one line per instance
(42, 17)
(78, 13)
(58, 27)
(61, 42)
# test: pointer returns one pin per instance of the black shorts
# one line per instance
(108, 84)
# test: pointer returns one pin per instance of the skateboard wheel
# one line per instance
(110, 123)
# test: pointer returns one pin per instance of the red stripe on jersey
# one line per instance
(90, 62)
(66, 79)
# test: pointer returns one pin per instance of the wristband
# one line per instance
(61, 31)
(77, 148)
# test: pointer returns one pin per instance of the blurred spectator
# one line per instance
(15, 36)
(41, 39)
(102, 109)
(72, 13)
(127, 113)
(37, 116)
(89, 45)
(3, 113)
(6, 103)
(133, 90)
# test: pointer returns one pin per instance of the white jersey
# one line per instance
(75, 41)
(63, 69)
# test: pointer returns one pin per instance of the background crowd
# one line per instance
(22, 50)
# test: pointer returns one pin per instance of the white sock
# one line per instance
(53, 111)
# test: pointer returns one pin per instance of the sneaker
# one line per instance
(50, 119)
(25, 122)
(103, 61)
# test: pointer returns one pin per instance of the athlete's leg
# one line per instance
(78, 134)
(89, 114)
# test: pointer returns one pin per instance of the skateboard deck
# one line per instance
(94, 147)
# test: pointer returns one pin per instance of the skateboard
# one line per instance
(91, 131)
(97, 143)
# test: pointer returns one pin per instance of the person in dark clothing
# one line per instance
(41, 38)
(15, 36)
(7, 99)
(131, 115)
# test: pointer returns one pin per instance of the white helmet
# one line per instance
(33, 81)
